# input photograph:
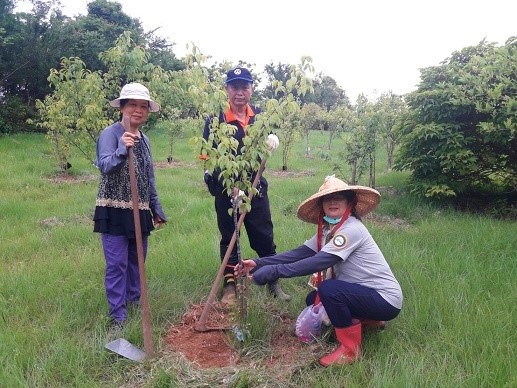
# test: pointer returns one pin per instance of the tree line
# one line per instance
(456, 133)
(32, 43)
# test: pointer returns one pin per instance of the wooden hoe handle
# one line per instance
(144, 301)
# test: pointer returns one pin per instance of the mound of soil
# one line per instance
(214, 348)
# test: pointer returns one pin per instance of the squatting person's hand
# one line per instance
(244, 268)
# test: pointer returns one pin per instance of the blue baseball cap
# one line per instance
(239, 73)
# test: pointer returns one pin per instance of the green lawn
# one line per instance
(457, 271)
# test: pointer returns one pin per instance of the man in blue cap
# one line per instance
(259, 227)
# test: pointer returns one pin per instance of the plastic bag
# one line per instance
(309, 322)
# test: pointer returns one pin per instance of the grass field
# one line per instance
(458, 274)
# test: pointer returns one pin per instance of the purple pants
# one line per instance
(122, 279)
(343, 300)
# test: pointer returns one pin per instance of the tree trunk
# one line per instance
(390, 147)
(284, 159)
(169, 158)
(354, 172)
(372, 171)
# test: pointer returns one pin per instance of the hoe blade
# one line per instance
(126, 349)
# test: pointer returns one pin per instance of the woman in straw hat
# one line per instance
(360, 289)
(113, 216)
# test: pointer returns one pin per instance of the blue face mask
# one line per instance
(332, 221)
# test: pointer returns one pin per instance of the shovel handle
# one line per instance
(146, 313)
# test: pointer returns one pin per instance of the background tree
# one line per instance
(125, 62)
(7, 26)
(161, 52)
(353, 135)
(195, 94)
(358, 127)
(312, 119)
(26, 57)
(460, 132)
(371, 121)
(74, 113)
(389, 109)
(327, 94)
(77, 110)
(97, 31)
(336, 120)
(279, 73)
(284, 111)
(32, 43)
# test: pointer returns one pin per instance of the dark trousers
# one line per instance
(122, 279)
(343, 300)
(257, 222)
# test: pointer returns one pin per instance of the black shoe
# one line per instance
(115, 327)
(114, 324)
(277, 292)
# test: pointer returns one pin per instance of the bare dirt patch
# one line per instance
(173, 164)
(214, 349)
(66, 178)
(208, 349)
(290, 174)
(382, 220)
(51, 222)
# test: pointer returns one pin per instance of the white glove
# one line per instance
(237, 199)
(272, 142)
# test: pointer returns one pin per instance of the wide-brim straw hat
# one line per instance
(135, 91)
(310, 209)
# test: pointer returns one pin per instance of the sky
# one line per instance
(367, 46)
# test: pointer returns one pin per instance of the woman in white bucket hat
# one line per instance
(359, 289)
(113, 216)
(135, 91)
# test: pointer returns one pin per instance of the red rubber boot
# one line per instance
(350, 346)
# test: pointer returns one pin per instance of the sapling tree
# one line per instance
(77, 110)
(74, 114)
(219, 151)
(353, 135)
(335, 121)
(312, 119)
(389, 109)
(284, 113)
(369, 122)
(127, 62)
(171, 89)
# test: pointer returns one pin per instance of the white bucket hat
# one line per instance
(310, 209)
(135, 91)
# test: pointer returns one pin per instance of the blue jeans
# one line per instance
(343, 300)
